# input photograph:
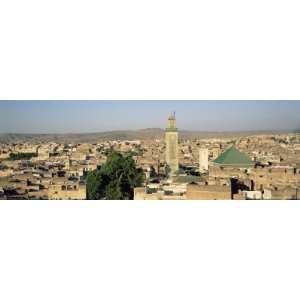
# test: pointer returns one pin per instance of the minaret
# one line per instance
(172, 145)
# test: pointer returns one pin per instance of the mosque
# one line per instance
(231, 157)
(229, 175)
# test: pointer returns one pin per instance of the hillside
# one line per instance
(142, 134)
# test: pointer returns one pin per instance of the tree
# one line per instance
(116, 179)
(167, 170)
(152, 172)
(19, 156)
(3, 167)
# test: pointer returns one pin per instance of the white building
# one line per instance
(203, 159)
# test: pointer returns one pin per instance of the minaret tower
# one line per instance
(172, 145)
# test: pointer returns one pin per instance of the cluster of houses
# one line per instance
(241, 167)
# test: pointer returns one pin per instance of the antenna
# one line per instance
(174, 114)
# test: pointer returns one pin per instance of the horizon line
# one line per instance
(157, 128)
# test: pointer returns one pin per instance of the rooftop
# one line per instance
(232, 157)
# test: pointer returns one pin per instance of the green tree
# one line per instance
(19, 156)
(152, 172)
(116, 179)
(94, 180)
(167, 170)
(3, 167)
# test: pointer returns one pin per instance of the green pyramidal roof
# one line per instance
(233, 157)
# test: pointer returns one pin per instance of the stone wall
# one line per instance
(208, 192)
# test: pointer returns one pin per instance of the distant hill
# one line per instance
(141, 134)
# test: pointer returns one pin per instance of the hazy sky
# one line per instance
(93, 116)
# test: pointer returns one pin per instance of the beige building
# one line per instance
(141, 193)
(208, 192)
(67, 190)
(172, 145)
(203, 159)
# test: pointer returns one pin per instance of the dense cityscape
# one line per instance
(255, 166)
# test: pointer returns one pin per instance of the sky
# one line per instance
(97, 116)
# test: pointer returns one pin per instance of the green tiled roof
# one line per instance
(233, 157)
